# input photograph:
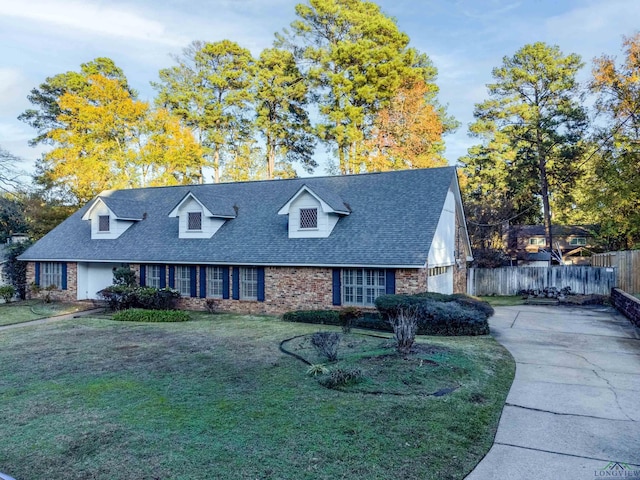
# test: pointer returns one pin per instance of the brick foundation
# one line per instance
(627, 305)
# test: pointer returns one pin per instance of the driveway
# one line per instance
(573, 411)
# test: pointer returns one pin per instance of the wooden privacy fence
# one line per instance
(627, 265)
(510, 280)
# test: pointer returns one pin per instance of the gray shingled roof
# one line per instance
(122, 207)
(393, 218)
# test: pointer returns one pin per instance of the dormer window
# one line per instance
(308, 218)
(194, 221)
(103, 223)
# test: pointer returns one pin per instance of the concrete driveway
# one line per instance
(573, 411)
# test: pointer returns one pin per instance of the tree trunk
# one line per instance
(216, 166)
(544, 191)
(271, 158)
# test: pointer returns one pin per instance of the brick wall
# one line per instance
(626, 304)
(299, 288)
(68, 295)
(410, 281)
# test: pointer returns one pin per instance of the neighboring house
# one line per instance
(268, 246)
(528, 245)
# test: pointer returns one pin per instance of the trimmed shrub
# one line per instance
(326, 343)
(438, 314)
(140, 315)
(124, 276)
(316, 317)
(7, 292)
(122, 297)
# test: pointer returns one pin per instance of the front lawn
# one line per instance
(28, 310)
(215, 398)
(503, 300)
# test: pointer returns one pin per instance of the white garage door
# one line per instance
(440, 280)
(93, 277)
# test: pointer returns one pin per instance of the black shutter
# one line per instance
(172, 276)
(163, 276)
(63, 280)
(225, 283)
(236, 283)
(193, 280)
(337, 294)
(37, 279)
(261, 284)
(143, 276)
(203, 282)
(391, 281)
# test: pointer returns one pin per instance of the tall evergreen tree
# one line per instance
(531, 129)
(355, 60)
(281, 111)
(210, 89)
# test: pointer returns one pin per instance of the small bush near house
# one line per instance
(316, 317)
(122, 297)
(7, 292)
(139, 315)
(212, 305)
(326, 343)
(348, 317)
(124, 276)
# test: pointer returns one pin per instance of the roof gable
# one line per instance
(329, 201)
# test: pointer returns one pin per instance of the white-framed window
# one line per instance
(248, 283)
(308, 218)
(194, 221)
(183, 280)
(435, 271)
(215, 282)
(542, 242)
(153, 276)
(361, 286)
(578, 241)
(103, 223)
(50, 274)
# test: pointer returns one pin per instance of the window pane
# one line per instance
(153, 276)
(50, 274)
(248, 284)
(103, 223)
(183, 280)
(214, 282)
(194, 221)
(361, 286)
(308, 218)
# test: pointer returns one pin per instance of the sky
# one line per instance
(465, 39)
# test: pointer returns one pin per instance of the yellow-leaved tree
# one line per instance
(408, 132)
(105, 138)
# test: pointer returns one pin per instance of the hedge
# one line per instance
(122, 297)
(438, 314)
(140, 315)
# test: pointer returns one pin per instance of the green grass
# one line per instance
(28, 310)
(215, 398)
(504, 301)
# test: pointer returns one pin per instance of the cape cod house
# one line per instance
(268, 246)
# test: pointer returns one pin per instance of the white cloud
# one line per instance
(11, 89)
(95, 18)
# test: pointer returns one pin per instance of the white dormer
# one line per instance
(195, 220)
(107, 224)
(310, 216)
